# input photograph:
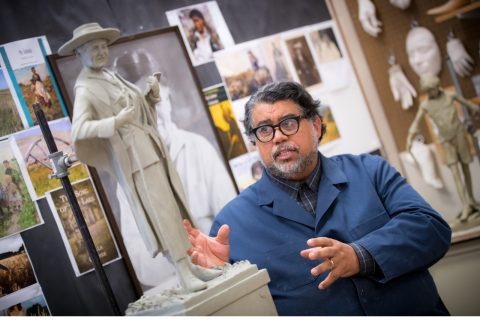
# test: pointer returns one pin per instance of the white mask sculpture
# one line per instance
(114, 129)
(401, 4)
(423, 52)
(461, 60)
(368, 19)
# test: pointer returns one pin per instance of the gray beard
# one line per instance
(289, 169)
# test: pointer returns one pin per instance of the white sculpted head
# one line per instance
(423, 52)
(93, 54)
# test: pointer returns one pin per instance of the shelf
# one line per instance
(447, 16)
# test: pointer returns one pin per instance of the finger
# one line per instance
(194, 258)
(190, 251)
(321, 268)
(322, 253)
(396, 94)
(466, 65)
(320, 242)
(411, 90)
(306, 253)
(192, 240)
(190, 229)
(331, 278)
(222, 235)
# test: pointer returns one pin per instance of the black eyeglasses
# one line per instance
(287, 126)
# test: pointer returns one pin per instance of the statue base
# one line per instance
(241, 290)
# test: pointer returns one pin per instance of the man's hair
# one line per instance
(280, 91)
(33, 68)
(6, 161)
(196, 13)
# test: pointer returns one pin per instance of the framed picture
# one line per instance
(183, 120)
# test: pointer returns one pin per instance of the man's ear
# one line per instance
(317, 124)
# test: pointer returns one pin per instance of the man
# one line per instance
(114, 129)
(344, 235)
(452, 136)
(205, 43)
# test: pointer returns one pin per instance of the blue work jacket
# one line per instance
(361, 199)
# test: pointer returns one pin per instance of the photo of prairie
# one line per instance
(16, 271)
(17, 210)
(34, 151)
(10, 121)
(96, 222)
(33, 307)
(36, 85)
(245, 71)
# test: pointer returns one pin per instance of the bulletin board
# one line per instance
(396, 24)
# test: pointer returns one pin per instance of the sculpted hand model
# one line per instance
(452, 136)
(115, 129)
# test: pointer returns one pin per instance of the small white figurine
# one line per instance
(422, 155)
(423, 52)
(367, 17)
(401, 4)
(460, 58)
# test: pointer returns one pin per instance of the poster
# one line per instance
(10, 120)
(98, 226)
(203, 30)
(29, 302)
(244, 69)
(17, 210)
(31, 79)
(246, 169)
(16, 271)
(228, 129)
(276, 57)
(31, 151)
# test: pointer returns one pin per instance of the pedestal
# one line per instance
(241, 290)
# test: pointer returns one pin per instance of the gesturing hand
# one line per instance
(207, 251)
(367, 17)
(460, 58)
(125, 116)
(345, 260)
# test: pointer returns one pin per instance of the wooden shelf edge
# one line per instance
(447, 16)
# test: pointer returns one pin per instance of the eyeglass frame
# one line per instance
(297, 118)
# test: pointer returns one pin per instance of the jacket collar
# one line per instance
(286, 207)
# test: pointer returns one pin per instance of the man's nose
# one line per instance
(279, 137)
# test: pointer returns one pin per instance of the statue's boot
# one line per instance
(202, 273)
(466, 211)
(187, 278)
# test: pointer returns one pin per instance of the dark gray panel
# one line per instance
(208, 75)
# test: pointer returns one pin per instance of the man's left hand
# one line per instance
(152, 83)
(345, 260)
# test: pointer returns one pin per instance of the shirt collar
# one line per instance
(292, 187)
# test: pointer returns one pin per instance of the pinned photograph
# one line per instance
(203, 29)
(33, 307)
(31, 151)
(247, 170)
(244, 70)
(332, 133)
(225, 122)
(31, 80)
(276, 57)
(16, 271)
(303, 62)
(17, 210)
(325, 45)
(10, 120)
(98, 226)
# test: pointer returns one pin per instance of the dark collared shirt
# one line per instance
(306, 195)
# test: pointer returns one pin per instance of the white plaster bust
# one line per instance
(423, 52)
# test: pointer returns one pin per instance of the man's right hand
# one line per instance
(125, 116)
(207, 251)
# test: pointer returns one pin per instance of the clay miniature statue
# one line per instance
(115, 129)
(423, 51)
(452, 136)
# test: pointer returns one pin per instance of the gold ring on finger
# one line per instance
(332, 263)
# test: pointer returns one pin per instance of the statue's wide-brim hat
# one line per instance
(86, 33)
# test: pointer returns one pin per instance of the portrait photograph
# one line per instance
(303, 62)
(96, 222)
(247, 169)
(244, 70)
(325, 45)
(203, 29)
(31, 151)
(10, 120)
(276, 57)
(33, 307)
(16, 271)
(17, 210)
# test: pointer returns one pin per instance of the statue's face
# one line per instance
(95, 54)
(423, 52)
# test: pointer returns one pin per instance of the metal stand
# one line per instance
(60, 165)
(468, 118)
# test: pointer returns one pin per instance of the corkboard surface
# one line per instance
(396, 24)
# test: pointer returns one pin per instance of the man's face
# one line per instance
(199, 23)
(292, 157)
(423, 52)
(95, 54)
(6, 165)
(33, 70)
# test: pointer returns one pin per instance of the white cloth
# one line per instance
(41, 91)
